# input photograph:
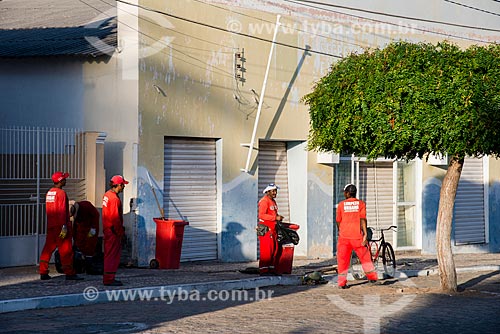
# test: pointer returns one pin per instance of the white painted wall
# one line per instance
(111, 102)
(297, 187)
(41, 92)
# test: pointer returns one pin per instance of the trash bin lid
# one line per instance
(170, 221)
(291, 226)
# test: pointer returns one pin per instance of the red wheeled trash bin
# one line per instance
(284, 257)
(169, 235)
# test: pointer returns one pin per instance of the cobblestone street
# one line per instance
(410, 306)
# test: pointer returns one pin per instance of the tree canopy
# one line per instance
(407, 100)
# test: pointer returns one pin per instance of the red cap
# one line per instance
(59, 176)
(118, 179)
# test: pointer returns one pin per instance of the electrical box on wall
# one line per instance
(438, 159)
(239, 66)
(327, 158)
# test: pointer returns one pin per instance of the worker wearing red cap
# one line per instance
(268, 215)
(85, 226)
(112, 225)
(352, 227)
(59, 232)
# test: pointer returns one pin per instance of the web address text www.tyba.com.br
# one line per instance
(170, 295)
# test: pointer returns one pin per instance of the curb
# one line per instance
(422, 273)
(91, 295)
(434, 271)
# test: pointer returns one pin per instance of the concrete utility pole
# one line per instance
(261, 98)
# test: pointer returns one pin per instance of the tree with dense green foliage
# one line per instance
(409, 100)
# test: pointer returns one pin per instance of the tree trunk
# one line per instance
(447, 272)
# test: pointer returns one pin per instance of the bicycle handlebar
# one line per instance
(392, 227)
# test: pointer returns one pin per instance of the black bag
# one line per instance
(82, 264)
(78, 261)
(369, 233)
(95, 264)
(262, 230)
(286, 235)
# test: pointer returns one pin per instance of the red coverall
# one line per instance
(268, 210)
(349, 215)
(112, 226)
(87, 217)
(57, 208)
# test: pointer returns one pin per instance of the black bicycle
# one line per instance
(378, 248)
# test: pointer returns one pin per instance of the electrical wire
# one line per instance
(244, 105)
(470, 7)
(249, 107)
(175, 31)
(229, 31)
(396, 16)
(362, 46)
(394, 24)
(293, 28)
(201, 50)
(221, 71)
(299, 2)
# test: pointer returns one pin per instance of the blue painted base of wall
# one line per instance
(239, 219)
(430, 208)
(494, 217)
(320, 228)
(145, 226)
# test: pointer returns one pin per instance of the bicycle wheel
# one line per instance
(356, 268)
(389, 260)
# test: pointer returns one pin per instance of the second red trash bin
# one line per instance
(284, 257)
(169, 235)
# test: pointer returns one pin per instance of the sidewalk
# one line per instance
(21, 288)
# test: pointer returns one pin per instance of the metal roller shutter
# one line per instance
(190, 193)
(469, 204)
(375, 188)
(273, 168)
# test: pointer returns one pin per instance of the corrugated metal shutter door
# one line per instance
(190, 193)
(273, 168)
(375, 188)
(469, 204)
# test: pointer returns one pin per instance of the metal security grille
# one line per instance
(190, 193)
(28, 157)
(375, 188)
(273, 168)
(469, 213)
